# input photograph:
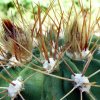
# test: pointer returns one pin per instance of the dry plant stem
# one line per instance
(60, 55)
(70, 12)
(93, 98)
(12, 98)
(69, 68)
(68, 93)
(41, 68)
(34, 27)
(91, 50)
(51, 7)
(7, 71)
(53, 21)
(97, 19)
(78, 47)
(38, 66)
(84, 25)
(93, 74)
(98, 86)
(84, 22)
(2, 52)
(21, 96)
(47, 13)
(81, 5)
(60, 7)
(2, 98)
(81, 97)
(89, 19)
(4, 91)
(16, 3)
(41, 36)
(23, 64)
(55, 15)
(92, 27)
(43, 72)
(3, 87)
(67, 79)
(7, 80)
(27, 51)
(64, 19)
(91, 83)
(28, 77)
(19, 10)
(86, 66)
(22, 46)
(51, 44)
(74, 8)
(56, 44)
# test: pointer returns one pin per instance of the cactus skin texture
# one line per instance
(43, 87)
(38, 83)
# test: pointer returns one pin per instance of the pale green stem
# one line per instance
(2, 98)
(93, 74)
(43, 72)
(68, 93)
(3, 87)
(92, 97)
(98, 86)
(81, 97)
(21, 96)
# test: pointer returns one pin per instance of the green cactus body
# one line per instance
(52, 88)
(64, 61)
(33, 85)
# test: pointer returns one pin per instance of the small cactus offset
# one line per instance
(52, 55)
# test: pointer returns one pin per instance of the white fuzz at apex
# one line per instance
(49, 66)
(13, 61)
(13, 90)
(81, 82)
(77, 55)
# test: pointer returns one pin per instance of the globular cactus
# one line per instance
(55, 58)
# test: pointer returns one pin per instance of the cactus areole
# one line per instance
(14, 90)
(49, 66)
(81, 82)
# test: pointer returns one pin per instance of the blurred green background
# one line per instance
(7, 8)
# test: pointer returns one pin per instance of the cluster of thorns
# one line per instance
(18, 42)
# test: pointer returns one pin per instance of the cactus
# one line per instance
(55, 58)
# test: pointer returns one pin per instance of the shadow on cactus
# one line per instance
(54, 56)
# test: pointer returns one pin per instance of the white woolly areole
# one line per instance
(13, 61)
(49, 66)
(77, 56)
(13, 90)
(81, 82)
